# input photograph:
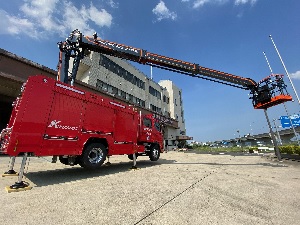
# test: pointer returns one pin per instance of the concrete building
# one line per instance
(117, 77)
(175, 108)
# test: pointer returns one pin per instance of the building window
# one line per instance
(114, 90)
(123, 94)
(166, 99)
(154, 92)
(120, 71)
(180, 98)
(110, 89)
(100, 85)
(155, 108)
(130, 98)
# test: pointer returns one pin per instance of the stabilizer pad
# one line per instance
(18, 186)
(10, 175)
(9, 189)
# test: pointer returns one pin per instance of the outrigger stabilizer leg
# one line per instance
(20, 185)
(134, 167)
(108, 162)
(11, 171)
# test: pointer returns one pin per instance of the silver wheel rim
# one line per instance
(155, 152)
(95, 155)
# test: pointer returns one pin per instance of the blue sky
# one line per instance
(226, 35)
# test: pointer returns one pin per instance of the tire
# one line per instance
(93, 156)
(130, 156)
(154, 153)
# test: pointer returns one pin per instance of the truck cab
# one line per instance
(150, 131)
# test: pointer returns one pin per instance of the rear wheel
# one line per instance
(93, 156)
(154, 153)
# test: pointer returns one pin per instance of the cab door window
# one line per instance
(147, 122)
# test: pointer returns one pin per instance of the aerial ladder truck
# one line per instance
(54, 118)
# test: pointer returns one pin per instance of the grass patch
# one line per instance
(220, 149)
(285, 149)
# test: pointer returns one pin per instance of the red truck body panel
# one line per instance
(53, 118)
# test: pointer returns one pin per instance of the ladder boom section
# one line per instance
(197, 71)
(77, 41)
(269, 92)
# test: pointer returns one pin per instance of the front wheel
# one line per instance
(154, 152)
(93, 156)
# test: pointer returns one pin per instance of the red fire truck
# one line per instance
(53, 118)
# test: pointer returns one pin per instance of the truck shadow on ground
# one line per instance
(76, 173)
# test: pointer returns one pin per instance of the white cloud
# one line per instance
(240, 2)
(295, 75)
(44, 17)
(100, 17)
(38, 8)
(162, 12)
(80, 18)
(15, 26)
(112, 4)
(199, 3)
(75, 18)
(40, 12)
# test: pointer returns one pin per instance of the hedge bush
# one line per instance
(290, 149)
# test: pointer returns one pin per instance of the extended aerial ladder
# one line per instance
(269, 92)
